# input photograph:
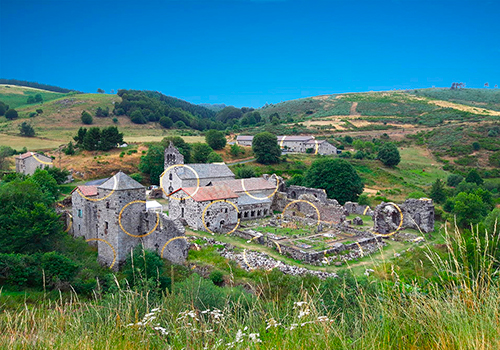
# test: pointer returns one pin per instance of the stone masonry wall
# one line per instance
(417, 214)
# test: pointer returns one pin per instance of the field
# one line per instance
(17, 96)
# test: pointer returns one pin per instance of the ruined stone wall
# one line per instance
(293, 146)
(355, 208)
(255, 211)
(418, 214)
(294, 192)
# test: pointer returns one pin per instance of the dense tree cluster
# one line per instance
(3, 108)
(96, 139)
(11, 114)
(149, 106)
(26, 129)
(215, 139)
(389, 154)
(35, 99)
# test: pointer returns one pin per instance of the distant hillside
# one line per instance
(18, 96)
(213, 107)
(35, 85)
(482, 98)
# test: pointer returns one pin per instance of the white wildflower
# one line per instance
(272, 323)
(293, 326)
(239, 336)
(162, 330)
(255, 337)
(323, 319)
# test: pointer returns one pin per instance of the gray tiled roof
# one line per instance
(244, 138)
(204, 171)
(295, 138)
(123, 182)
(247, 200)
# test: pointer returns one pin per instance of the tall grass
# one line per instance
(455, 309)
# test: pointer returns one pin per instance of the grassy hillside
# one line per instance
(60, 120)
(17, 96)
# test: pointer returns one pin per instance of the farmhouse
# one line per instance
(296, 144)
(28, 162)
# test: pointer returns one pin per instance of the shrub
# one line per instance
(137, 117)
(58, 268)
(86, 118)
(11, 114)
(26, 129)
(115, 120)
(166, 122)
(215, 139)
(236, 150)
(217, 277)
(214, 157)
(389, 154)
(39, 111)
(32, 114)
(245, 172)
(454, 179)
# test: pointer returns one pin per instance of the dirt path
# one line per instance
(353, 109)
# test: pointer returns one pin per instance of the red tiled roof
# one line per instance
(25, 155)
(87, 191)
(210, 193)
(251, 184)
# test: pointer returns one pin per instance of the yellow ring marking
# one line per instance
(113, 249)
(208, 206)
(261, 198)
(361, 249)
(136, 236)
(70, 223)
(282, 140)
(41, 161)
(245, 259)
(366, 209)
(169, 241)
(185, 166)
(399, 226)
(277, 245)
(115, 183)
(304, 201)
(317, 147)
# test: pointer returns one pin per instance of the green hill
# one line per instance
(17, 96)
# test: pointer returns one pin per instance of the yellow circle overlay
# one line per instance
(277, 245)
(245, 260)
(131, 235)
(317, 147)
(41, 161)
(185, 166)
(170, 241)
(208, 206)
(70, 223)
(361, 249)
(115, 183)
(303, 201)
(366, 209)
(113, 249)
(399, 226)
(282, 140)
(261, 198)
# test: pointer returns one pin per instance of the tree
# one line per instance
(137, 117)
(3, 108)
(166, 122)
(337, 176)
(180, 125)
(92, 139)
(38, 98)
(153, 163)
(80, 136)
(110, 138)
(201, 151)
(266, 149)
(236, 150)
(26, 129)
(214, 157)
(179, 143)
(70, 149)
(473, 177)
(437, 192)
(245, 172)
(46, 182)
(5, 152)
(86, 118)
(100, 91)
(102, 112)
(468, 209)
(28, 221)
(389, 154)
(215, 139)
(11, 114)
(454, 179)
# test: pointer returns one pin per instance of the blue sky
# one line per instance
(250, 52)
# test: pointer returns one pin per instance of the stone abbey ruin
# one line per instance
(299, 222)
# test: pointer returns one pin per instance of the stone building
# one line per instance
(28, 162)
(296, 144)
(244, 140)
(417, 214)
(114, 217)
(187, 176)
(206, 208)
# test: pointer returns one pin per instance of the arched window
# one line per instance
(170, 176)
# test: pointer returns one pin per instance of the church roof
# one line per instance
(204, 171)
(121, 181)
(210, 193)
(251, 184)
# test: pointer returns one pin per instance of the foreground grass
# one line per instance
(455, 308)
